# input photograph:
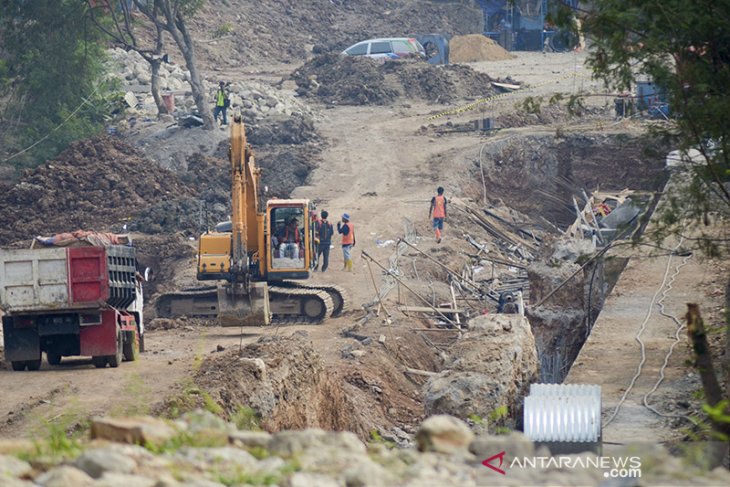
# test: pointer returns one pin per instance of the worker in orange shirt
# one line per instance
(347, 230)
(438, 210)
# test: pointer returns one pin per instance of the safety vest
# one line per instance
(439, 207)
(296, 236)
(221, 100)
(349, 239)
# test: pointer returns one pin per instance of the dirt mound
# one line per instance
(361, 81)
(476, 47)
(208, 181)
(160, 253)
(93, 184)
(281, 378)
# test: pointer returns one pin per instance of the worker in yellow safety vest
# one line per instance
(438, 210)
(222, 102)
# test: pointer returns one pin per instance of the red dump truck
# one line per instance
(70, 301)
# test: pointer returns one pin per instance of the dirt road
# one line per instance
(76, 390)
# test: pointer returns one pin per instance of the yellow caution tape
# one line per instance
(482, 101)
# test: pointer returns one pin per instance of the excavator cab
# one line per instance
(289, 240)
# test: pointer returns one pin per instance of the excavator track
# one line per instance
(290, 302)
(338, 294)
(314, 306)
(201, 302)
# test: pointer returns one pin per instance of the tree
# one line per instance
(170, 15)
(54, 77)
(119, 25)
(684, 48)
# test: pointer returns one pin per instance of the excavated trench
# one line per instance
(540, 175)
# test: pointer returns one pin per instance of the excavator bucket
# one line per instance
(244, 309)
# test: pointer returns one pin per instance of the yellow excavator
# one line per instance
(259, 258)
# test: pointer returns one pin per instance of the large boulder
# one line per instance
(491, 366)
(444, 434)
(139, 430)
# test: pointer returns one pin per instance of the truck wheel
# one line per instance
(53, 358)
(116, 359)
(18, 365)
(99, 362)
(141, 343)
(131, 347)
(33, 364)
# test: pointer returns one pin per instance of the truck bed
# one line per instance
(47, 279)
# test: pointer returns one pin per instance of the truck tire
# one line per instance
(18, 365)
(116, 359)
(33, 364)
(53, 358)
(99, 362)
(141, 343)
(131, 347)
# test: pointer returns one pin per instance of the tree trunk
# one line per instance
(713, 393)
(196, 84)
(726, 363)
(184, 42)
(155, 68)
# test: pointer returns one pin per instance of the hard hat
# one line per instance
(345, 216)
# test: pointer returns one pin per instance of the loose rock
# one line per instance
(444, 434)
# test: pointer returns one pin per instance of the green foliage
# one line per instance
(258, 452)
(684, 48)
(376, 438)
(59, 442)
(476, 419)
(556, 99)
(201, 439)
(246, 418)
(498, 418)
(575, 105)
(55, 59)
(223, 30)
(531, 104)
(719, 414)
(244, 477)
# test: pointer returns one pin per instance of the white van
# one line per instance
(390, 48)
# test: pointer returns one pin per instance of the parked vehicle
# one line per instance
(70, 301)
(387, 48)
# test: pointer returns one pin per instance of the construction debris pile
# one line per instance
(346, 80)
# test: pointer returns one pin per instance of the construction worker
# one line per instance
(291, 240)
(324, 232)
(438, 210)
(347, 230)
(221, 103)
